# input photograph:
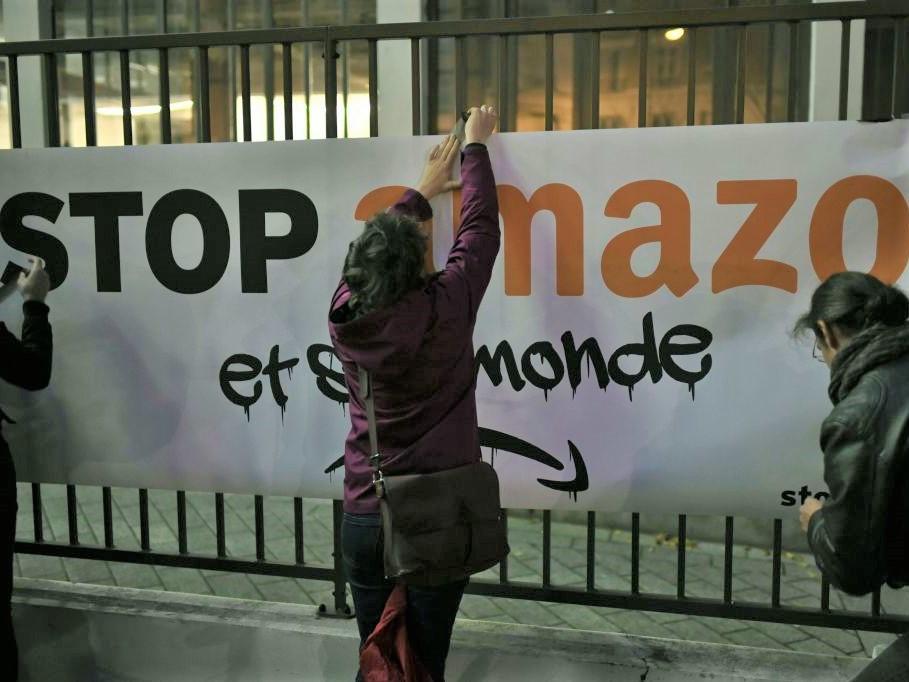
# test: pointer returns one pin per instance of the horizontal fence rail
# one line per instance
(327, 44)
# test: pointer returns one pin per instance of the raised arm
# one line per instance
(470, 261)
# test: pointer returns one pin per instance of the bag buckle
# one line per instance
(378, 483)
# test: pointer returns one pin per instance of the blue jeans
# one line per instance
(430, 611)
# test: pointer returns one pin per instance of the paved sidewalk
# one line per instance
(752, 569)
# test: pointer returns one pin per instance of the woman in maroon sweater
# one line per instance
(413, 331)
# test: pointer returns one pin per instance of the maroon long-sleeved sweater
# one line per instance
(420, 350)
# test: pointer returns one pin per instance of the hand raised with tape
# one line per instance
(34, 285)
(437, 172)
(480, 124)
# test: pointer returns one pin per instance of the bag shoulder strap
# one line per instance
(368, 398)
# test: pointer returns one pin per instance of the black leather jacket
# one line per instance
(860, 538)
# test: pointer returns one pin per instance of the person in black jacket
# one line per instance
(26, 364)
(860, 534)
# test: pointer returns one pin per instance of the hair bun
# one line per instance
(889, 306)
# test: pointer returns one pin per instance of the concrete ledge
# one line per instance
(89, 632)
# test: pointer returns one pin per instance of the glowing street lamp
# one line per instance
(674, 34)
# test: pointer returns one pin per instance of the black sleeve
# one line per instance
(846, 534)
(27, 363)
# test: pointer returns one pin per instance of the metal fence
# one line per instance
(892, 12)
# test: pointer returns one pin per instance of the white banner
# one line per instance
(634, 348)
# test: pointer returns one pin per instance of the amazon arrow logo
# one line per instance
(497, 440)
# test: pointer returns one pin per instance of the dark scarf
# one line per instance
(867, 350)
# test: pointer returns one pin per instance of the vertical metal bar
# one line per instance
(72, 514)
(876, 603)
(792, 101)
(124, 17)
(547, 548)
(771, 71)
(182, 539)
(37, 517)
(777, 562)
(692, 74)
(164, 94)
(307, 76)
(635, 553)
(288, 89)
(144, 540)
(260, 528)
(298, 530)
(373, 91)
(503, 564)
(196, 26)
(88, 98)
(89, 18)
(741, 36)
(461, 73)
(591, 550)
(549, 95)
(269, 58)
(245, 93)
(331, 88)
(899, 97)
(642, 79)
(52, 109)
(14, 112)
(204, 97)
(126, 98)
(595, 80)
(415, 94)
(219, 525)
(340, 584)
(345, 72)
(845, 40)
(682, 538)
(825, 594)
(197, 15)
(502, 57)
(162, 16)
(108, 510)
(232, 71)
(727, 560)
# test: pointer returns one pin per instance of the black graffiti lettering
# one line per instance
(670, 348)
(548, 354)
(35, 242)
(257, 248)
(215, 241)
(272, 371)
(492, 365)
(106, 208)
(650, 359)
(227, 376)
(325, 374)
(573, 355)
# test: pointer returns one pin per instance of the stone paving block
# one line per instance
(531, 612)
(183, 580)
(780, 632)
(724, 625)
(752, 637)
(86, 570)
(870, 640)
(844, 641)
(37, 566)
(135, 575)
(581, 617)
(284, 590)
(694, 631)
(816, 646)
(233, 585)
(478, 607)
(637, 623)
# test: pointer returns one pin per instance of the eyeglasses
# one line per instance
(816, 352)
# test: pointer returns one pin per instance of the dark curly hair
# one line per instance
(384, 263)
(853, 302)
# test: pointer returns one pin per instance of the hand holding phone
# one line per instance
(35, 284)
